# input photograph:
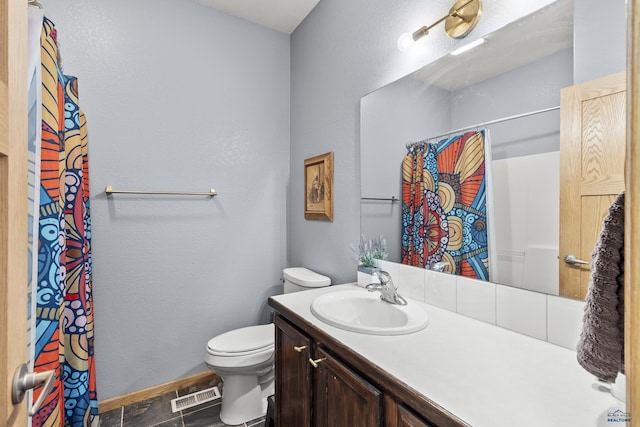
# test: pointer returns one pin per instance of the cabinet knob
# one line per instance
(299, 348)
(314, 363)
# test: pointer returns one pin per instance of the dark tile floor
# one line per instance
(156, 412)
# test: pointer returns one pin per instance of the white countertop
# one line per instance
(483, 374)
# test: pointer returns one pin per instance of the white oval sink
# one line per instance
(364, 312)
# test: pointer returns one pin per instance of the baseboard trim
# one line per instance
(153, 391)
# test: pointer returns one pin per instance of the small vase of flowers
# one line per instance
(367, 254)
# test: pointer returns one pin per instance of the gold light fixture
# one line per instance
(462, 18)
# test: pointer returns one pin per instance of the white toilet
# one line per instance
(244, 358)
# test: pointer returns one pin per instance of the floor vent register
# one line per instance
(195, 399)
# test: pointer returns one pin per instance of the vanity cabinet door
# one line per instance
(293, 376)
(407, 418)
(342, 398)
(397, 414)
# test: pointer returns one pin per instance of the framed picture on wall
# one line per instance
(318, 187)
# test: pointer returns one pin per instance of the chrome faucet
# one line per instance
(439, 266)
(386, 287)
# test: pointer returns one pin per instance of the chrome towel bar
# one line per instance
(211, 193)
(393, 199)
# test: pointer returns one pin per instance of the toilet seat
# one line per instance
(242, 348)
(243, 341)
(239, 353)
(241, 362)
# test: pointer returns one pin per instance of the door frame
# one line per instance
(632, 215)
(13, 203)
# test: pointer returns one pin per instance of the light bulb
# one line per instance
(405, 41)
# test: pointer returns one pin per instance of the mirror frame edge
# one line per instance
(632, 231)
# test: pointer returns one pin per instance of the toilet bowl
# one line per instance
(244, 358)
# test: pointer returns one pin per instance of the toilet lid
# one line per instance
(243, 340)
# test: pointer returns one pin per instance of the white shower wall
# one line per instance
(526, 190)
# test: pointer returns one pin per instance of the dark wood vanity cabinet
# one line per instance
(399, 416)
(293, 376)
(316, 388)
(342, 398)
(407, 418)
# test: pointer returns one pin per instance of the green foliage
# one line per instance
(370, 250)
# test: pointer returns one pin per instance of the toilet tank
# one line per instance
(300, 279)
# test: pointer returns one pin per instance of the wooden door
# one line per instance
(592, 156)
(342, 398)
(293, 376)
(13, 203)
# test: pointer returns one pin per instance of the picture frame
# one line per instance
(318, 187)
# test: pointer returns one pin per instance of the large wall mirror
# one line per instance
(519, 71)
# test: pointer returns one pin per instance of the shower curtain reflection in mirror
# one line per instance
(446, 205)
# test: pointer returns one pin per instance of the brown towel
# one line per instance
(601, 345)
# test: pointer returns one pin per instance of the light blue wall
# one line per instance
(406, 110)
(599, 38)
(535, 86)
(178, 96)
(342, 51)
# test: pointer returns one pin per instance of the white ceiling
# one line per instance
(279, 15)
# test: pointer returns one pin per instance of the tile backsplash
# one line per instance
(550, 318)
(522, 311)
(564, 320)
(476, 299)
(440, 290)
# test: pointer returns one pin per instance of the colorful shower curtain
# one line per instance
(444, 205)
(63, 298)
